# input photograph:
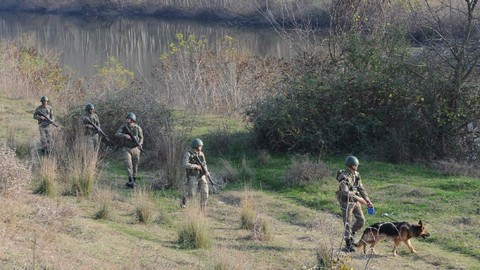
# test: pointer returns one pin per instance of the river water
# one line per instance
(84, 42)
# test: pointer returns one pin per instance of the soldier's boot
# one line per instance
(134, 181)
(350, 245)
(130, 183)
(183, 203)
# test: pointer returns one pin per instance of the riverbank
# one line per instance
(248, 13)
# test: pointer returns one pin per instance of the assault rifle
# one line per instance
(134, 139)
(97, 128)
(204, 172)
(48, 119)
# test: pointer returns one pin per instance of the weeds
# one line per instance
(104, 198)
(262, 229)
(144, 206)
(194, 232)
(82, 163)
(14, 175)
(46, 176)
(248, 213)
(303, 171)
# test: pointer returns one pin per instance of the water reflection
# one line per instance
(138, 42)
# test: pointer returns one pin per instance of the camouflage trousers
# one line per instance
(131, 158)
(45, 137)
(195, 183)
(92, 141)
(350, 210)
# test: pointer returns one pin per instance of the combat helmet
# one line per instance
(196, 143)
(43, 99)
(132, 117)
(89, 107)
(351, 161)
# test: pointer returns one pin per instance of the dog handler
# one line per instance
(351, 195)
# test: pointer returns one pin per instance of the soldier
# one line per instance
(43, 114)
(351, 195)
(132, 137)
(196, 178)
(89, 120)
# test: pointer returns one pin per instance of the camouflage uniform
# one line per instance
(91, 134)
(350, 187)
(44, 127)
(131, 153)
(195, 178)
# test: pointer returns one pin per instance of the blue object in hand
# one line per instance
(371, 211)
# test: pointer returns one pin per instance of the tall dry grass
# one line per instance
(82, 166)
(248, 213)
(46, 176)
(194, 230)
(104, 198)
(22, 147)
(144, 206)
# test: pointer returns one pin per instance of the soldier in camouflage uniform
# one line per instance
(131, 151)
(44, 125)
(91, 133)
(196, 178)
(351, 195)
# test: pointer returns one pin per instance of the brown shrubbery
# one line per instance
(15, 175)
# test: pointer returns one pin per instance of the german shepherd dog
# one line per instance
(397, 231)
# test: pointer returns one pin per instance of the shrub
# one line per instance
(46, 176)
(104, 198)
(248, 213)
(15, 176)
(303, 171)
(262, 229)
(82, 168)
(194, 231)
(144, 206)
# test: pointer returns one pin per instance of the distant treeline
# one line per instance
(288, 12)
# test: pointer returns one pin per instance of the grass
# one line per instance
(299, 218)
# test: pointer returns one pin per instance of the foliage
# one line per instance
(304, 171)
(199, 79)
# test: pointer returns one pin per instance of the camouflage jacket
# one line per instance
(189, 162)
(350, 186)
(137, 132)
(47, 110)
(84, 122)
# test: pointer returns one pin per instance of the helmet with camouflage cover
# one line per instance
(89, 107)
(132, 117)
(43, 99)
(196, 143)
(351, 161)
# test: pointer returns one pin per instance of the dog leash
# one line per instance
(388, 216)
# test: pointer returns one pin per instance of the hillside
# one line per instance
(61, 232)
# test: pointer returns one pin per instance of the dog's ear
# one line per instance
(420, 223)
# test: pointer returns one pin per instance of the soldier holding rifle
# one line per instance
(197, 174)
(90, 121)
(43, 114)
(131, 135)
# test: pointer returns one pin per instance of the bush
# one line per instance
(15, 176)
(144, 207)
(46, 175)
(194, 231)
(303, 171)
(248, 213)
